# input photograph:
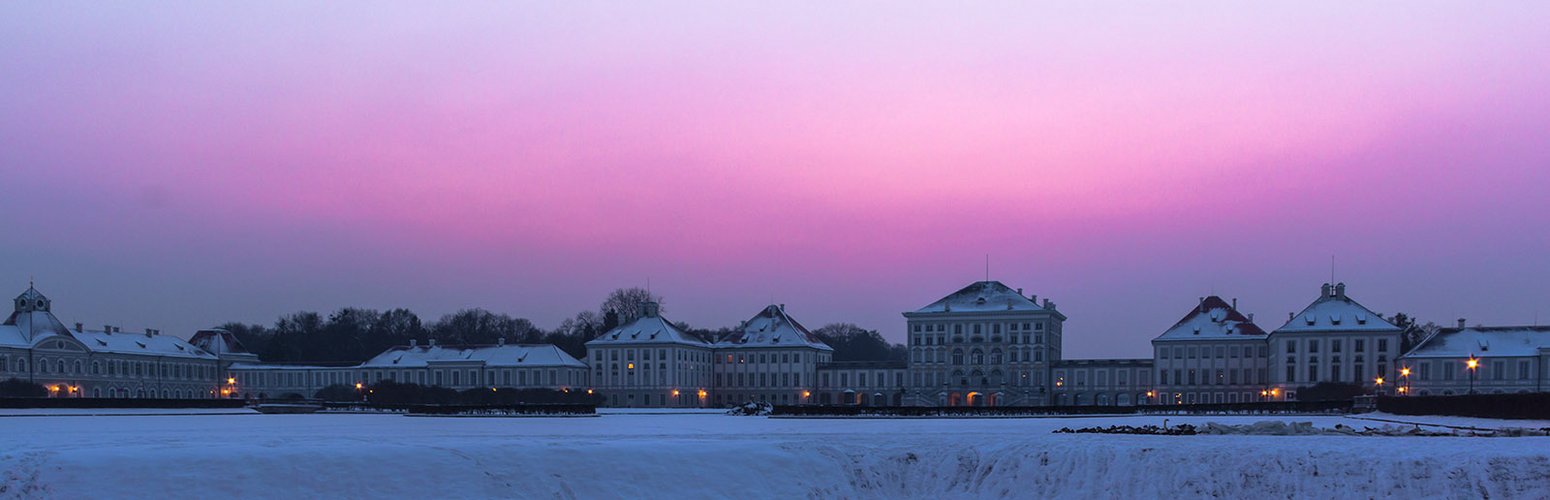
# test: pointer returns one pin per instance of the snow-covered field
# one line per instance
(700, 455)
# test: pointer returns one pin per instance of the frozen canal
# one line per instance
(688, 455)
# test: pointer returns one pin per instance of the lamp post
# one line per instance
(1404, 375)
(1473, 363)
(1379, 382)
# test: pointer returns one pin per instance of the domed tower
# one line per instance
(32, 317)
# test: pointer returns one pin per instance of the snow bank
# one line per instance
(712, 456)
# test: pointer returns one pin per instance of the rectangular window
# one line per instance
(1291, 373)
(1383, 345)
(1291, 346)
(1523, 370)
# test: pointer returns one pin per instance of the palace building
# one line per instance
(986, 344)
(109, 363)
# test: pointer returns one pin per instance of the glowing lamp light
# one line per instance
(702, 393)
(1379, 380)
(807, 394)
(630, 366)
(1151, 394)
(1274, 392)
(1264, 393)
(1472, 363)
(1404, 372)
(230, 380)
(492, 389)
(358, 386)
(589, 391)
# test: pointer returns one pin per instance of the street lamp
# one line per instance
(1404, 374)
(1473, 364)
(1379, 382)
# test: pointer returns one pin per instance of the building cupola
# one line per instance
(650, 309)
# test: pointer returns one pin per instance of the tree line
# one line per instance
(353, 335)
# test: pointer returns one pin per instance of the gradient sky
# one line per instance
(180, 165)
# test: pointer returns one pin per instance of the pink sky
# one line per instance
(187, 165)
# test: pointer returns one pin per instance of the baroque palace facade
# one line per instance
(984, 345)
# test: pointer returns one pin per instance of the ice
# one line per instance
(705, 455)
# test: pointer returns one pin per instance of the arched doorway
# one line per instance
(878, 399)
(976, 399)
(954, 399)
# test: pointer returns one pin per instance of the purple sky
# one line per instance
(183, 165)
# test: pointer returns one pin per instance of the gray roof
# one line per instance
(983, 296)
(1213, 319)
(1335, 312)
(649, 329)
(772, 328)
(509, 355)
(1484, 341)
(138, 343)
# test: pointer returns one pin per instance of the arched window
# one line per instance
(957, 356)
(995, 356)
(77, 367)
(977, 357)
(60, 366)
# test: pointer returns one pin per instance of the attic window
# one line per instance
(1334, 320)
(1310, 320)
(1197, 330)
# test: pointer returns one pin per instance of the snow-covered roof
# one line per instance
(217, 341)
(649, 328)
(1336, 312)
(138, 343)
(508, 355)
(1213, 319)
(12, 336)
(983, 296)
(274, 366)
(772, 328)
(1484, 341)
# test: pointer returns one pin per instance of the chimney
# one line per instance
(500, 340)
(414, 342)
(649, 309)
(432, 342)
(1251, 317)
(79, 327)
(1340, 290)
(108, 329)
(150, 333)
(1046, 304)
(1019, 292)
(1034, 297)
(1234, 303)
(1461, 323)
(1290, 315)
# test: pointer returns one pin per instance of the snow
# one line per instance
(1504, 341)
(700, 455)
(982, 296)
(1213, 319)
(651, 329)
(772, 328)
(1337, 313)
(540, 355)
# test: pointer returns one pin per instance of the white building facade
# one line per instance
(771, 357)
(984, 345)
(1334, 339)
(1215, 354)
(649, 362)
(75, 362)
(1478, 360)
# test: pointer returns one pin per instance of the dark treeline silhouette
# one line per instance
(353, 335)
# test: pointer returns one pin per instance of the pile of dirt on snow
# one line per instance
(1279, 428)
(751, 409)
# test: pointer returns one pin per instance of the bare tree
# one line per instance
(626, 302)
